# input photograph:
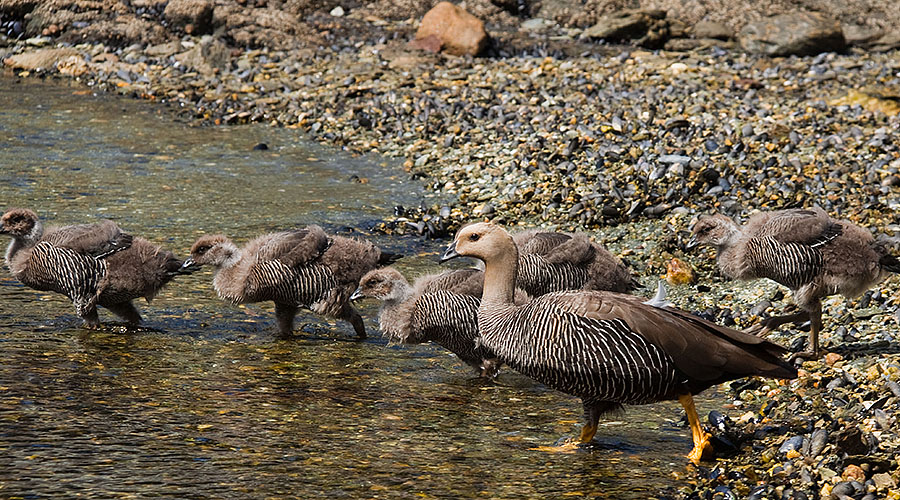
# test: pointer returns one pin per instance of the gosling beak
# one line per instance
(189, 264)
(357, 294)
(3, 230)
(450, 253)
(692, 243)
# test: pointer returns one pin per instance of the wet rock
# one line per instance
(647, 28)
(261, 147)
(206, 56)
(801, 33)
(193, 16)
(430, 43)
(852, 441)
(711, 29)
(41, 59)
(460, 33)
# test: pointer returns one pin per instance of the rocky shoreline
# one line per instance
(558, 129)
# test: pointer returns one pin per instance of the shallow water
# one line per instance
(205, 401)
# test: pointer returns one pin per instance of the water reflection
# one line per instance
(205, 401)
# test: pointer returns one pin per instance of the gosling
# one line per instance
(440, 308)
(91, 264)
(298, 268)
(805, 250)
(608, 348)
(553, 262)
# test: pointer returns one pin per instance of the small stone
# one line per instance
(832, 357)
(337, 11)
(853, 472)
(261, 147)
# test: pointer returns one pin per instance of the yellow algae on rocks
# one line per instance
(870, 100)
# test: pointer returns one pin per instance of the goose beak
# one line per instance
(357, 294)
(692, 243)
(450, 252)
(189, 264)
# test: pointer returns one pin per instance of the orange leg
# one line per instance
(702, 447)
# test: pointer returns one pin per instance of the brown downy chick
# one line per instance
(300, 268)
(805, 250)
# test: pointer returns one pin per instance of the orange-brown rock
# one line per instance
(460, 33)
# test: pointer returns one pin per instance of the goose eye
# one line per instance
(474, 237)
(202, 249)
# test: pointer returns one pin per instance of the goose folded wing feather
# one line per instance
(803, 226)
(97, 239)
(700, 349)
(294, 248)
(539, 242)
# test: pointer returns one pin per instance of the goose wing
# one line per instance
(702, 350)
(98, 240)
(458, 281)
(539, 242)
(294, 248)
(811, 227)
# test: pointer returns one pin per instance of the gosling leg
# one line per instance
(767, 325)
(815, 326)
(284, 315)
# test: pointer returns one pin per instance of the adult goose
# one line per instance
(607, 348)
(805, 250)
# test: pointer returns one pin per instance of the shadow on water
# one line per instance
(204, 401)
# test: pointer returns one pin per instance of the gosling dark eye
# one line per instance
(474, 237)
(202, 249)
(370, 283)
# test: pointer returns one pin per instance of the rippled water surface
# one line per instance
(204, 401)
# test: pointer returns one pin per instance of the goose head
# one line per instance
(481, 240)
(382, 284)
(713, 230)
(21, 224)
(215, 249)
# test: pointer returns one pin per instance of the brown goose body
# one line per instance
(555, 261)
(440, 308)
(608, 348)
(300, 268)
(805, 250)
(92, 264)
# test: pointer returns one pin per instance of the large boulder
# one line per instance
(648, 28)
(41, 59)
(460, 33)
(193, 16)
(800, 33)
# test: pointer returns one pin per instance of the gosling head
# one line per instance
(714, 230)
(213, 249)
(481, 240)
(383, 284)
(21, 224)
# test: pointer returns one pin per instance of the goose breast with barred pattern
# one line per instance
(604, 347)
(803, 249)
(298, 268)
(92, 264)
